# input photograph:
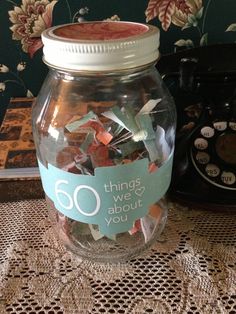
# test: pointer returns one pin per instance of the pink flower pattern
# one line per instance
(29, 21)
(177, 12)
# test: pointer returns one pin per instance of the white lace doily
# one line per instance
(191, 269)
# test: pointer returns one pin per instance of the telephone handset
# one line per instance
(203, 85)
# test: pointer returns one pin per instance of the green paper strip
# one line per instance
(144, 122)
(88, 141)
(152, 150)
(71, 127)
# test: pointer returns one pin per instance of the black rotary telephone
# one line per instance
(203, 84)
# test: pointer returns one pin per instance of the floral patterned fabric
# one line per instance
(29, 21)
(183, 24)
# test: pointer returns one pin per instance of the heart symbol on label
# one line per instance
(140, 191)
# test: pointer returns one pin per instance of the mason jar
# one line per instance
(104, 128)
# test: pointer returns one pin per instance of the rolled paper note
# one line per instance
(140, 125)
(84, 147)
(153, 152)
(112, 116)
(155, 211)
(124, 117)
(95, 232)
(130, 114)
(71, 127)
(140, 136)
(148, 224)
(149, 106)
(136, 227)
(152, 167)
(161, 143)
(91, 122)
(144, 122)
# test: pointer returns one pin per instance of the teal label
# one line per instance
(112, 199)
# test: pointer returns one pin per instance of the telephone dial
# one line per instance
(202, 82)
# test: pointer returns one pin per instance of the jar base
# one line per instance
(109, 251)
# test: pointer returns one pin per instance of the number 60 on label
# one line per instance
(70, 201)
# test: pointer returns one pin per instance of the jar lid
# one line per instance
(100, 46)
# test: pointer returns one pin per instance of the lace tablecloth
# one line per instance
(191, 269)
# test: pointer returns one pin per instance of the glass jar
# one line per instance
(104, 127)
